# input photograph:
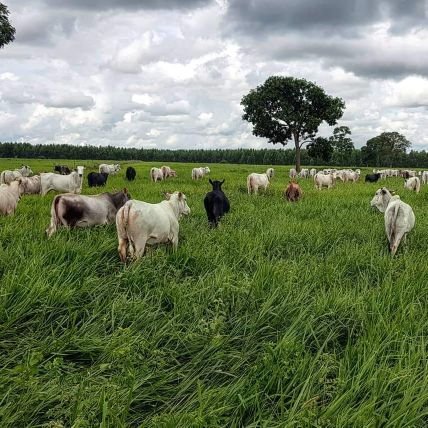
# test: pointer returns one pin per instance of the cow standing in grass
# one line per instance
(156, 174)
(6, 177)
(167, 172)
(96, 179)
(254, 181)
(30, 185)
(324, 180)
(70, 210)
(130, 173)
(293, 192)
(399, 217)
(216, 203)
(9, 197)
(413, 183)
(62, 183)
(140, 223)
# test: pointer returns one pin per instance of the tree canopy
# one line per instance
(385, 149)
(321, 150)
(7, 31)
(287, 108)
(342, 145)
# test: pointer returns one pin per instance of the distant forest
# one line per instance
(237, 156)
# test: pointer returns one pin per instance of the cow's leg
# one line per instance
(139, 246)
(256, 189)
(174, 242)
(395, 243)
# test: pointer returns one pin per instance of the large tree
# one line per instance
(385, 149)
(7, 31)
(286, 108)
(342, 145)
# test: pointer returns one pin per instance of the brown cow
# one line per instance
(293, 192)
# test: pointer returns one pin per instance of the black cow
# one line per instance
(130, 173)
(372, 178)
(96, 179)
(216, 203)
(62, 169)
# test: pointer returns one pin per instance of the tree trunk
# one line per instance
(297, 145)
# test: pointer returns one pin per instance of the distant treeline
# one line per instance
(239, 156)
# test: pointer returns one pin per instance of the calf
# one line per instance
(399, 217)
(254, 181)
(372, 178)
(70, 210)
(96, 179)
(140, 223)
(216, 203)
(413, 183)
(293, 192)
(9, 197)
(130, 173)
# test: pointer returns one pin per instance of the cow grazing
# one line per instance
(9, 197)
(168, 172)
(293, 173)
(70, 210)
(413, 183)
(216, 203)
(293, 192)
(399, 217)
(254, 181)
(156, 174)
(62, 169)
(109, 169)
(304, 173)
(140, 223)
(312, 172)
(96, 179)
(71, 183)
(6, 177)
(198, 173)
(30, 185)
(324, 180)
(130, 173)
(372, 178)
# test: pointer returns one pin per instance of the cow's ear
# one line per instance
(383, 191)
(125, 190)
(167, 195)
(210, 181)
(221, 182)
(180, 195)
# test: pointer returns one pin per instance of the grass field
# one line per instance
(285, 316)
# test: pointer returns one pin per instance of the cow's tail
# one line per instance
(249, 184)
(2, 177)
(152, 171)
(122, 222)
(193, 174)
(418, 186)
(55, 220)
(391, 226)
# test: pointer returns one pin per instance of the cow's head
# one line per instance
(216, 184)
(381, 199)
(80, 170)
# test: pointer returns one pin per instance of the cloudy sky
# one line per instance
(171, 73)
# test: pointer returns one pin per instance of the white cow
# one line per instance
(168, 172)
(324, 180)
(30, 185)
(254, 181)
(399, 217)
(424, 177)
(293, 173)
(140, 223)
(413, 183)
(6, 177)
(111, 169)
(312, 172)
(9, 197)
(71, 183)
(156, 174)
(304, 173)
(198, 173)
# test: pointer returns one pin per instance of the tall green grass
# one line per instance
(285, 316)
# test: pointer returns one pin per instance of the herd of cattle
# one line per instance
(140, 223)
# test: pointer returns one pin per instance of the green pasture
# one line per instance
(287, 315)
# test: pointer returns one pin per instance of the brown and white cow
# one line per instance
(293, 192)
(140, 223)
(70, 210)
(9, 197)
